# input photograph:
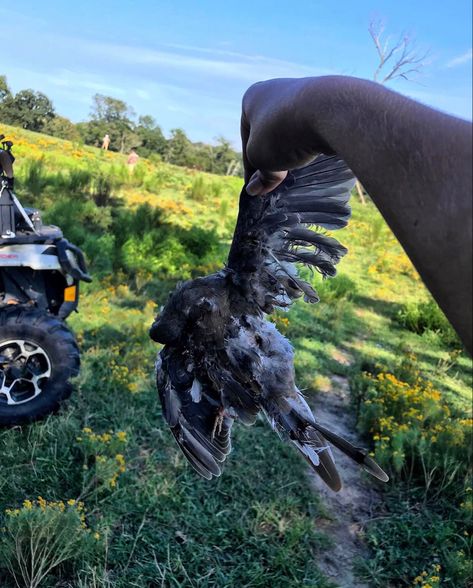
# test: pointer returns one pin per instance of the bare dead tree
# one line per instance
(399, 60)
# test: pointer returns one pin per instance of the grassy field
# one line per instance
(118, 505)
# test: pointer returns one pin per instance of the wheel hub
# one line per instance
(24, 369)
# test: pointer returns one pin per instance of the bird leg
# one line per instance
(217, 428)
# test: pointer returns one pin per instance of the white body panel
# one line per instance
(28, 256)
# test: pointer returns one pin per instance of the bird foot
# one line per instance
(217, 428)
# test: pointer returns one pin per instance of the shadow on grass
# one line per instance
(383, 307)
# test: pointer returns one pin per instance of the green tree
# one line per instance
(28, 109)
(225, 159)
(179, 149)
(63, 128)
(200, 156)
(92, 132)
(4, 89)
(151, 137)
(113, 117)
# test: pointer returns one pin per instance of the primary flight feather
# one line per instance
(222, 361)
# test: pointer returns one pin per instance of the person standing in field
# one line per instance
(132, 160)
(106, 142)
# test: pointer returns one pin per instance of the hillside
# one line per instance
(149, 521)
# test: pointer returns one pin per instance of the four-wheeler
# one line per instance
(40, 272)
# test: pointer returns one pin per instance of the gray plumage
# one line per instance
(222, 360)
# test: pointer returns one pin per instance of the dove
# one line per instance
(222, 360)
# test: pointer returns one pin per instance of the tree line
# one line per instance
(33, 110)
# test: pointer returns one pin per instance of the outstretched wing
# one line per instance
(274, 232)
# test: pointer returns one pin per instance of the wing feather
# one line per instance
(192, 418)
(274, 233)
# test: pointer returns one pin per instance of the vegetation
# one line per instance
(27, 109)
(42, 535)
(110, 116)
(149, 520)
(425, 442)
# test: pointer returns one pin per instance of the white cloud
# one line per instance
(75, 80)
(460, 59)
(219, 63)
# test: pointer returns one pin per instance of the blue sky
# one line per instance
(188, 63)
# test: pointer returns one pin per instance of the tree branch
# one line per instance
(399, 58)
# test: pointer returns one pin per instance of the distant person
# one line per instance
(106, 142)
(132, 160)
(414, 162)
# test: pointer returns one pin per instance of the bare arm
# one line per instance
(414, 162)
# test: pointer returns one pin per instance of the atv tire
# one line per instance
(38, 356)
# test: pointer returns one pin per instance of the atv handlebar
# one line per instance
(77, 270)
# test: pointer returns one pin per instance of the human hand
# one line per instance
(278, 131)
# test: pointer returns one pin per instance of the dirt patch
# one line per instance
(342, 357)
(348, 510)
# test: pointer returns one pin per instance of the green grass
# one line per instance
(257, 526)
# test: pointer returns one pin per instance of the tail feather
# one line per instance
(356, 453)
(319, 455)
(292, 425)
(292, 419)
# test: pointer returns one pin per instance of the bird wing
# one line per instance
(273, 232)
(193, 413)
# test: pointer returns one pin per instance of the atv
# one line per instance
(40, 272)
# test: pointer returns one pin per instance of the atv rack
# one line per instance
(10, 207)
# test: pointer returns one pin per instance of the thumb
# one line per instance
(262, 182)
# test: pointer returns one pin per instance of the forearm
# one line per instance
(416, 165)
(414, 162)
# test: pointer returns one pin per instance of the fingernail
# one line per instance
(254, 186)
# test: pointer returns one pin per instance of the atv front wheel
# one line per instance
(38, 356)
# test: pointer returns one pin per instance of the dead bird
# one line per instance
(222, 360)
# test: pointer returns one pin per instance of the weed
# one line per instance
(34, 179)
(427, 448)
(420, 317)
(42, 535)
(199, 189)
